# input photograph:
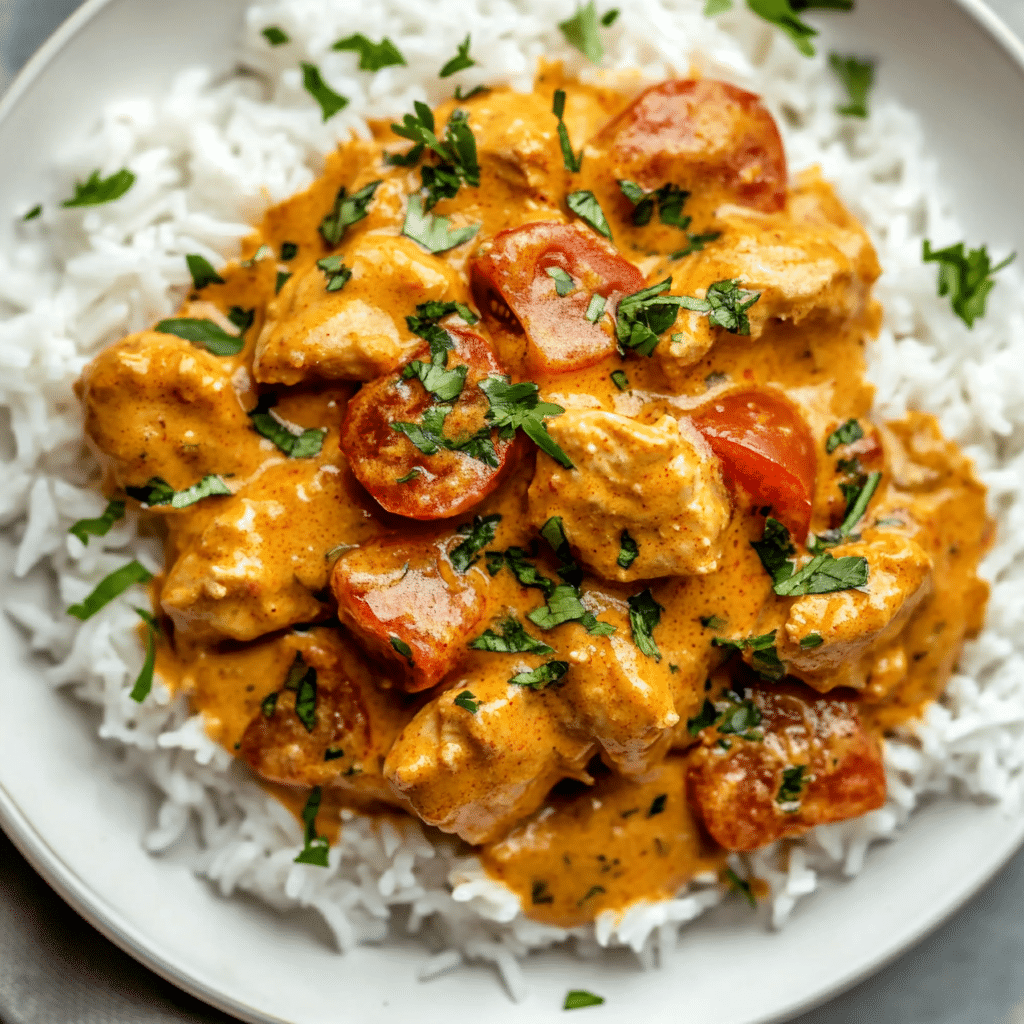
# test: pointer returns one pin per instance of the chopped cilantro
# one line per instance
(669, 201)
(644, 315)
(775, 549)
(460, 62)
(966, 277)
(740, 886)
(313, 82)
(203, 332)
(410, 476)
(849, 432)
(432, 232)
(337, 273)
(428, 436)
(857, 502)
(784, 14)
(275, 36)
(264, 252)
(347, 210)
(707, 717)
(202, 271)
(269, 705)
(403, 649)
(628, 550)
(457, 152)
(144, 680)
(644, 616)
(442, 384)
(713, 622)
(571, 160)
(577, 998)
(741, 718)
(585, 205)
(95, 191)
(304, 445)
(726, 306)
(372, 56)
(811, 640)
(620, 380)
(610, 17)
(513, 639)
(333, 753)
(825, 574)
(595, 309)
(695, 243)
(564, 284)
(563, 605)
(479, 90)
(582, 31)
(794, 781)
(765, 657)
(478, 534)
(467, 701)
(316, 848)
(101, 526)
(110, 587)
(283, 277)
(542, 676)
(36, 211)
(518, 406)
(657, 805)
(289, 250)
(157, 492)
(857, 77)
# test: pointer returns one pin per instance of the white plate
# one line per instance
(80, 825)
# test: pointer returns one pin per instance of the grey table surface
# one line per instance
(56, 969)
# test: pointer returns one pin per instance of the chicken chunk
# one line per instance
(477, 766)
(781, 761)
(853, 623)
(237, 572)
(409, 606)
(157, 406)
(659, 484)
(359, 331)
(321, 717)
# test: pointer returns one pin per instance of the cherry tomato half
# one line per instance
(538, 282)
(693, 133)
(455, 472)
(767, 450)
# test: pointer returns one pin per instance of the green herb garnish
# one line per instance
(849, 432)
(144, 680)
(36, 211)
(966, 277)
(337, 273)
(668, 200)
(330, 101)
(794, 781)
(582, 31)
(101, 526)
(467, 701)
(657, 805)
(620, 380)
(202, 271)
(372, 56)
(518, 406)
(857, 76)
(433, 233)
(707, 717)
(460, 62)
(403, 649)
(571, 160)
(203, 332)
(316, 848)
(110, 587)
(513, 639)
(478, 534)
(811, 641)
(644, 616)
(542, 676)
(304, 445)
(275, 36)
(585, 205)
(564, 284)
(628, 550)
(726, 306)
(347, 210)
(644, 315)
(157, 492)
(577, 998)
(740, 886)
(95, 191)
(269, 705)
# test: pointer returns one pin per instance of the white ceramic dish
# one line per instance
(80, 823)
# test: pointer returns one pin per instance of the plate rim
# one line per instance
(101, 915)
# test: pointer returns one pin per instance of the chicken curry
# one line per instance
(522, 479)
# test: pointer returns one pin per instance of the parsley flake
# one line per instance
(585, 205)
(620, 380)
(269, 705)
(433, 233)
(203, 332)
(467, 701)
(518, 406)
(157, 492)
(564, 284)
(372, 56)
(316, 848)
(478, 534)
(513, 639)
(275, 36)
(669, 201)
(706, 718)
(966, 277)
(644, 616)
(95, 191)
(644, 315)
(347, 210)
(726, 306)
(825, 574)
(849, 432)
(783, 14)
(595, 308)
(582, 31)
(713, 621)
(610, 17)
(110, 587)
(657, 805)
(542, 676)
(202, 271)
(713, 7)
(629, 550)
(101, 526)
(333, 753)
(36, 211)
(302, 445)
(577, 998)
(313, 82)
(338, 274)
(289, 250)
(460, 62)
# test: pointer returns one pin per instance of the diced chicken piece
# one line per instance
(660, 484)
(409, 606)
(476, 772)
(853, 623)
(157, 406)
(236, 572)
(800, 761)
(318, 716)
(358, 332)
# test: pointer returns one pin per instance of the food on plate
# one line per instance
(534, 492)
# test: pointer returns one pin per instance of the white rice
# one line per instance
(210, 156)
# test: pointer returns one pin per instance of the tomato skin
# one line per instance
(697, 132)
(446, 483)
(767, 451)
(519, 298)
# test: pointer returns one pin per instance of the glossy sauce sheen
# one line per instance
(592, 792)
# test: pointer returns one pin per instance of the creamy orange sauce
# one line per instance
(247, 587)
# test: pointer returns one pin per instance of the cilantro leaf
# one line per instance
(269, 705)
(444, 385)
(858, 503)
(302, 679)
(553, 532)
(564, 605)
(275, 36)
(459, 62)
(432, 232)
(110, 587)
(811, 641)
(467, 701)
(695, 243)
(564, 284)
(316, 848)
(36, 211)
(629, 550)
(289, 250)
(403, 649)
(657, 805)
(479, 90)
(644, 315)
(582, 31)
(513, 639)
(740, 718)
(726, 305)
(595, 309)
(478, 535)
(157, 492)
(707, 717)
(372, 56)
(781, 14)
(101, 526)
(857, 76)
(524, 571)
(202, 271)
(347, 210)
(338, 274)
(313, 82)
(585, 205)
(304, 445)
(283, 277)
(542, 676)
(518, 406)
(775, 550)
(427, 436)
(847, 433)
(577, 998)
(620, 380)
(572, 161)
(429, 314)
(95, 191)
(825, 574)
(610, 17)
(669, 200)
(203, 332)
(144, 681)
(965, 277)
(740, 885)
(644, 616)
(794, 781)
(713, 622)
